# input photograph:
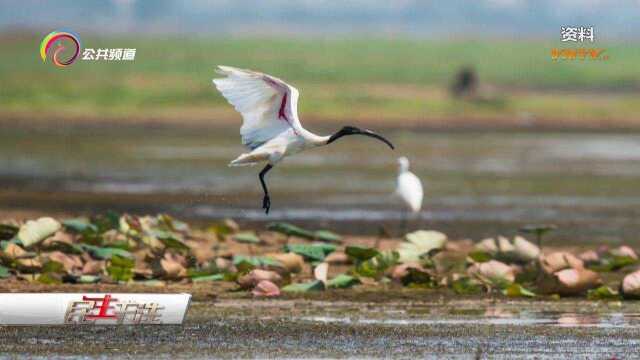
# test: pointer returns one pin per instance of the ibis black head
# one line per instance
(352, 130)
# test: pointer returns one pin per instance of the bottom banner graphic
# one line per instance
(99, 309)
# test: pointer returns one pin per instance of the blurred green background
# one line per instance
(368, 79)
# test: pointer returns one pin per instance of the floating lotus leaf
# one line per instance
(4, 272)
(343, 281)
(246, 237)
(361, 253)
(517, 290)
(304, 287)
(420, 243)
(315, 252)
(466, 286)
(34, 231)
(79, 225)
(248, 263)
(105, 253)
(603, 293)
(88, 279)
(290, 230)
(170, 240)
(120, 268)
(327, 236)
(377, 267)
(212, 277)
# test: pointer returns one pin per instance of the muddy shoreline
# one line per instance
(66, 122)
(308, 329)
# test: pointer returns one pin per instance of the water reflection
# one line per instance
(530, 314)
(587, 183)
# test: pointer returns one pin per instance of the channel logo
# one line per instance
(55, 44)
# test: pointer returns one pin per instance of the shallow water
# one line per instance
(313, 329)
(491, 181)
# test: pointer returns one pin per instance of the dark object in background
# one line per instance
(465, 83)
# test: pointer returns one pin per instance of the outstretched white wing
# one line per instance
(268, 105)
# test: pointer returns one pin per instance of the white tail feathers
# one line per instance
(247, 159)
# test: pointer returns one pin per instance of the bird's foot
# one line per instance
(266, 204)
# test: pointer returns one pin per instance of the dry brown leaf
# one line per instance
(29, 265)
(93, 267)
(231, 224)
(266, 288)
(492, 270)
(631, 284)
(13, 251)
(459, 245)
(224, 264)
(292, 262)
(524, 250)
(624, 251)
(487, 245)
(560, 260)
(143, 270)
(589, 256)
(570, 281)
(504, 245)
(172, 266)
(400, 272)
(71, 263)
(202, 251)
(59, 236)
(252, 279)
(337, 258)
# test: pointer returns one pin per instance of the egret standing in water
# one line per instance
(409, 190)
(270, 127)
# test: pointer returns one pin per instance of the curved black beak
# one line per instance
(370, 133)
(350, 130)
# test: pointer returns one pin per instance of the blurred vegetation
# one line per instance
(338, 78)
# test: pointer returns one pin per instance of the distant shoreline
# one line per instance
(200, 121)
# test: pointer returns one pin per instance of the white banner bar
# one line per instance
(96, 308)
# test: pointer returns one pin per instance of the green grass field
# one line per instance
(376, 79)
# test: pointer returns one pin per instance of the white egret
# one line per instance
(409, 190)
(270, 127)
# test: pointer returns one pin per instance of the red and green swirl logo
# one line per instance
(65, 51)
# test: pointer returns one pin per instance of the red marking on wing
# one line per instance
(281, 114)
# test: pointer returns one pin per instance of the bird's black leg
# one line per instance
(403, 223)
(266, 202)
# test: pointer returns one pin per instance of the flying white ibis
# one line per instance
(409, 190)
(270, 127)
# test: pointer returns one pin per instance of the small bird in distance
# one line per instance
(409, 190)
